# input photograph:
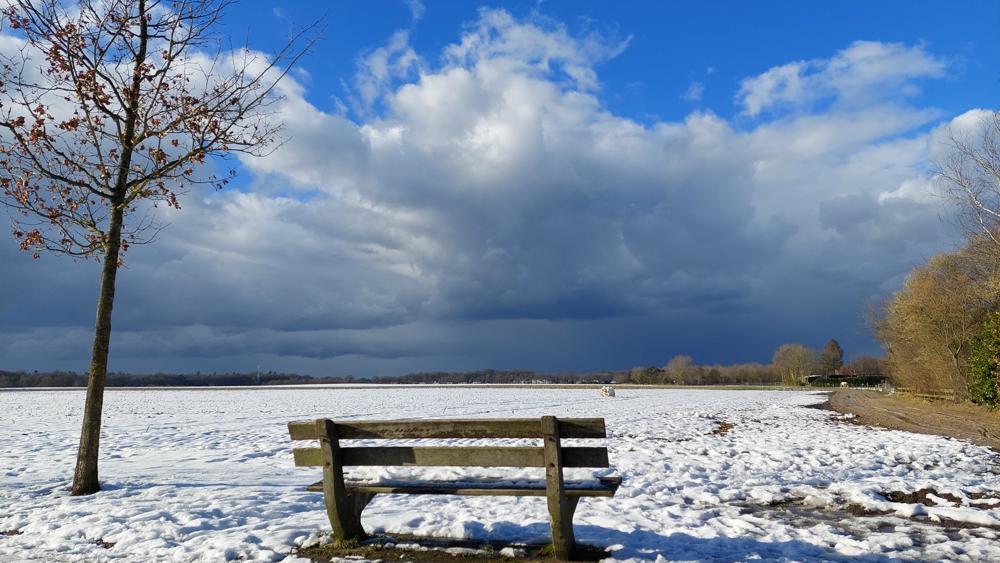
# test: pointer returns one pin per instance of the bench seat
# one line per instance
(603, 487)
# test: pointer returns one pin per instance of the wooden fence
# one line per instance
(933, 394)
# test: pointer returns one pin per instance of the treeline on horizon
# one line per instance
(792, 365)
(679, 371)
(21, 379)
(120, 379)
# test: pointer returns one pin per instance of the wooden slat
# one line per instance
(444, 456)
(585, 456)
(453, 457)
(495, 492)
(452, 428)
(470, 488)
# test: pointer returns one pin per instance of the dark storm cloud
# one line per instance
(498, 215)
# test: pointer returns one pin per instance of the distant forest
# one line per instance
(120, 379)
(675, 372)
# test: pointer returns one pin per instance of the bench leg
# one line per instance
(561, 515)
(342, 508)
(561, 506)
(345, 516)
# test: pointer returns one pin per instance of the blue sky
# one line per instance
(551, 186)
(673, 44)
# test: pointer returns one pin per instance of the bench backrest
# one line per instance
(459, 456)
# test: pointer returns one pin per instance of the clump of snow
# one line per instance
(463, 551)
(208, 475)
(512, 552)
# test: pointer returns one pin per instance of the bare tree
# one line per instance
(678, 370)
(794, 362)
(109, 108)
(970, 176)
(831, 358)
(929, 326)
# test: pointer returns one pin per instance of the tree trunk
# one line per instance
(85, 480)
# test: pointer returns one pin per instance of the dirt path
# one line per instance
(900, 412)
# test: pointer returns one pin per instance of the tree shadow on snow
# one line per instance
(645, 544)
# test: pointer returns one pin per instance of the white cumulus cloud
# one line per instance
(864, 72)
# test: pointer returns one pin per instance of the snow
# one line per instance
(207, 475)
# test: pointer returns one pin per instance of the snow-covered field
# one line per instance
(193, 475)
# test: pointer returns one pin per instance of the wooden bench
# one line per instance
(346, 499)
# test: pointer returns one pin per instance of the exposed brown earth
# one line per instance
(385, 549)
(858, 510)
(723, 428)
(901, 412)
(921, 496)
